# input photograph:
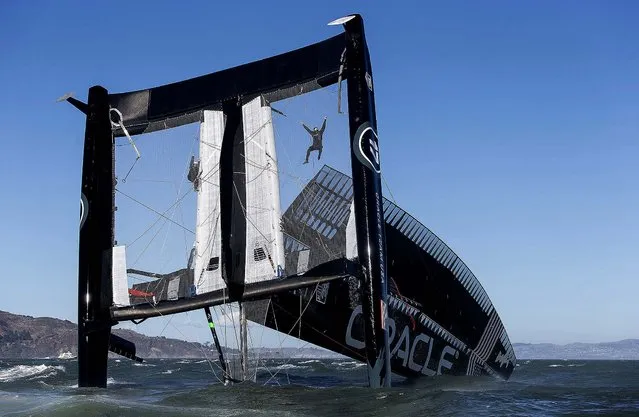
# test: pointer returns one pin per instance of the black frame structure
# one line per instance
(172, 105)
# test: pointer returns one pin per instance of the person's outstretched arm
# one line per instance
(323, 125)
(307, 128)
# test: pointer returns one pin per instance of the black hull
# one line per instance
(440, 318)
(331, 317)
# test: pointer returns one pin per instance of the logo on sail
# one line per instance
(84, 209)
(369, 81)
(366, 147)
(502, 359)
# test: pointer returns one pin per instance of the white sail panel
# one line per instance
(264, 239)
(207, 268)
(351, 234)
(119, 280)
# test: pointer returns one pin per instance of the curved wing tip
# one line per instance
(342, 20)
(65, 97)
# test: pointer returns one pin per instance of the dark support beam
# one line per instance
(367, 197)
(252, 292)
(96, 243)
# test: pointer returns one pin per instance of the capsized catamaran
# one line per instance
(342, 268)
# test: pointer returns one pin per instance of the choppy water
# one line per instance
(307, 387)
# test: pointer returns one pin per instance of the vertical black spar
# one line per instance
(367, 197)
(96, 242)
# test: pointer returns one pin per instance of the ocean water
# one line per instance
(311, 387)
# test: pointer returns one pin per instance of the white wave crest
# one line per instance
(310, 361)
(144, 364)
(113, 381)
(290, 366)
(29, 371)
(347, 363)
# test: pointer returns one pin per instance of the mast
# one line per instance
(367, 197)
(96, 242)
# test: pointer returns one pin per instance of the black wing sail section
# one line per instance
(276, 78)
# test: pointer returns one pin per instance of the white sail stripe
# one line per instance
(472, 364)
(485, 334)
(486, 341)
(491, 344)
(492, 340)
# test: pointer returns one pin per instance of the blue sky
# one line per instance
(511, 129)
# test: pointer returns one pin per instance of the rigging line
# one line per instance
(148, 180)
(261, 339)
(178, 209)
(259, 174)
(227, 313)
(148, 244)
(166, 236)
(211, 172)
(211, 237)
(323, 334)
(248, 139)
(252, 345)
(388, 188)
(158, 219)
(209, 242)
(269, 167)
(310, 299)
(209, 182)
(210, 362)
(278, 170)
(211, 145)
(154, 211)
(120, 124)
(277, 328)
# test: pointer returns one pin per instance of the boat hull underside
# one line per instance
(330, 315)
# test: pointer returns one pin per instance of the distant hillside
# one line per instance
(623, 349)
(28, 337)
(41, 337)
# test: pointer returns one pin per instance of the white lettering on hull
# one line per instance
(406, 346)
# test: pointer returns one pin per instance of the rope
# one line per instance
(158, 219)
(291, 329)
(120, 124)
(210, 362)
(155, 211)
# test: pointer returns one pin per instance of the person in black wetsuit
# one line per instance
(316, 134)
